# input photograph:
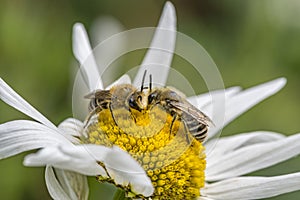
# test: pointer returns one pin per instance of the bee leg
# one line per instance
(186, 132)
(171, 127)
(112, 115)
(88, 118)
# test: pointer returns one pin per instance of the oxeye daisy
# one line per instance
(138, 151)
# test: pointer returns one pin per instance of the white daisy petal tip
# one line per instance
(252, 187)
(9, 96)
(125, 170)
(278, 83)
(75, 185)
(53, 185)
(246, 153)
(66, 185)
(268, 88)
(80, 40)
(242, 101)
(84, 54)
(159, 56)
(168, 17)
(143, 187)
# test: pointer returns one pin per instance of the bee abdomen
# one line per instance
(197, 129)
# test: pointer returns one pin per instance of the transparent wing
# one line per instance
(194, 112)
(98, 94)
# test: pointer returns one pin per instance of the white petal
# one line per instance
(204, 99)
(74, 184)
(204, 198)
(9, 96)
(79, 103)
(243, 101)
(218, 147)
(23, 135)
(159, 56)
(83, 53)
(244, 188)
(246, 159)
(125, 170)
(125, 79)
(55, 189)
(71, 126)
(74, 158)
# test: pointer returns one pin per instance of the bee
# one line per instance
(177, 106)
(119, 96)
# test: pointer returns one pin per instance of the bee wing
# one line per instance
(191, 110)
(90, 95)
(98, 94)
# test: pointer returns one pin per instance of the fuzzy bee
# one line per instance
(176, 104)
(120, 96)
(129, 97)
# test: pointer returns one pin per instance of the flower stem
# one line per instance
(120, 195)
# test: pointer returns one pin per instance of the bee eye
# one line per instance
(132, 103)
(151, 97)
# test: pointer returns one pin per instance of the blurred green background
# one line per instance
(251, 42)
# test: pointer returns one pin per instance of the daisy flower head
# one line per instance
(147, 139)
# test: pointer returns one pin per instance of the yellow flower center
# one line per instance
(173, 159)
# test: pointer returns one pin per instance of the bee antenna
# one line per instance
(143, 80)
(150, 82)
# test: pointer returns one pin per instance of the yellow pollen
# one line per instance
(174, 161)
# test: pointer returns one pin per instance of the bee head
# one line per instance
(137, 101)
(153, 97)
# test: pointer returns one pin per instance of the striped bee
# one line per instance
(119, 96)
(176, 104)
